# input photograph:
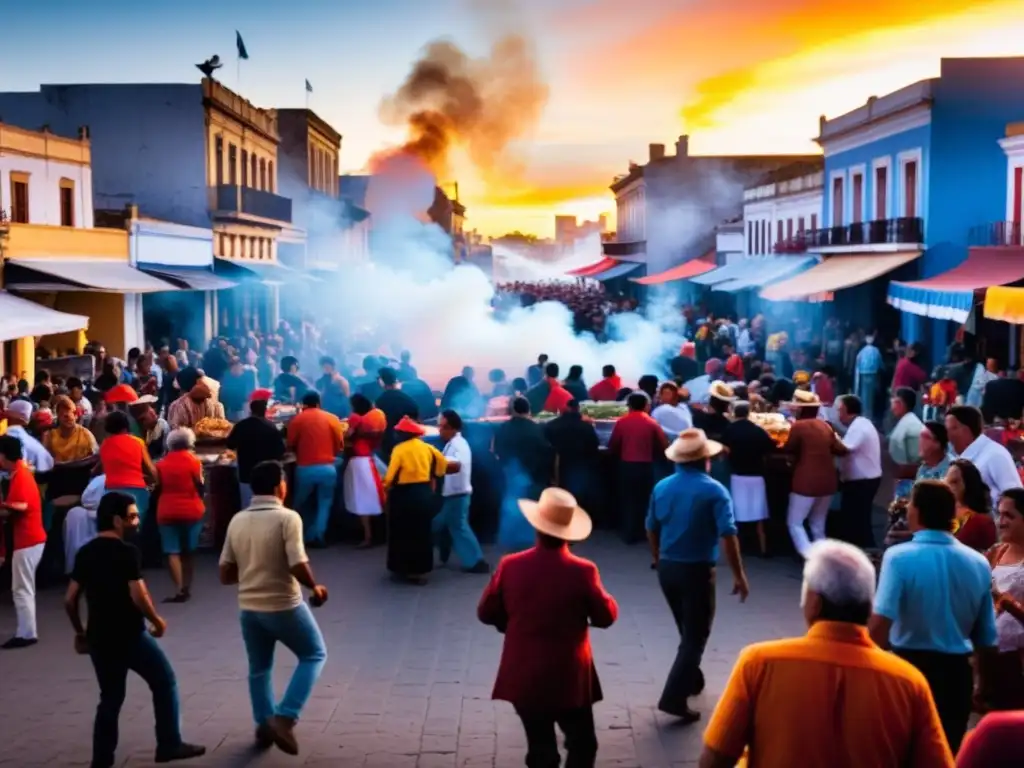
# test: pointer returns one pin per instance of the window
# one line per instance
(789, 229)
(19, 198)
(219, 159)
(750, 238)
(800, 225)
(837, 201)
(263, 174)
(270, 176)
(232, 164)
(245, 168)
(814, 221)
(857, 182)
(252, 172)
(881, 193)
(1018, 183)
(765, 234)
(910, 189)
(778, 231)
(67, 203)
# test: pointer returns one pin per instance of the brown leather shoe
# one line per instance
(283, 731)
(264, 737)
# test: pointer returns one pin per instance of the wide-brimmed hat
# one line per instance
(557, 514)
(410, 427)
(721, 391)
(692, 445)
(803, 399)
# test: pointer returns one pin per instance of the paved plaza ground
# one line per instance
(408, 677)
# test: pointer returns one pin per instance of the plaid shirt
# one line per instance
(186, 412)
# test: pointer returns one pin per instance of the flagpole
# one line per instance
(238, 73)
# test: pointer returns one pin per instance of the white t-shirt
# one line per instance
(457, 449)
(673, 418)
(995, 464)
(32, 450)
(864, 461)
(265, 542)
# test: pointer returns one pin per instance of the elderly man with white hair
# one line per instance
(832, 697)
(19, 414)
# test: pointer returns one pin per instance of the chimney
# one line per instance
(656, 152)
(83, 132)
(633, 166)
(683, 146)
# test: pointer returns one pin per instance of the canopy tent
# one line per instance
(267, 272)
(22, 318)
(621, 268)
(733, 271)
(685, 271)
(762, 272)
(835, 273)
(96, 275)
(190, 278)
(592, 269)
(1006, 304)
(951, 295)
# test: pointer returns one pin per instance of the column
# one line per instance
(25, 359)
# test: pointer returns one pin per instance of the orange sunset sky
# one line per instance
(745, 76)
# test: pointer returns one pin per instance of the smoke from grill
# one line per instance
(450, 99)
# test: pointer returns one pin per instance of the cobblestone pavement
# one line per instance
(408, 678)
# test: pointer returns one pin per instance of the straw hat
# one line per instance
(803, 399)
(410, 427)
(721, 391)
(692, 445)
(557, 514)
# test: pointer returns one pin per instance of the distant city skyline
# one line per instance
(745, 77)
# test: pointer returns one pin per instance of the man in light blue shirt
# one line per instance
(934, 606)
(867, 376)
(689, 513)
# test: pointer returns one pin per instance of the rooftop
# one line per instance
(876, 108)
(317, 122)
(43, 143)
(796, 170)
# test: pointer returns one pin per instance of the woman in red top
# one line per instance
(126, 462)
(180, 509)
(975, 526)
(363, 489)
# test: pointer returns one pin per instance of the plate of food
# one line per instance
(211, 428)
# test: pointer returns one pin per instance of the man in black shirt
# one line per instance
(576, 449)
(109, 572)
(527, 462)
(254, 439)
(395, 403)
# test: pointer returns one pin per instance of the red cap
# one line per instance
(259, 395)
(121, 394)
(409, 427)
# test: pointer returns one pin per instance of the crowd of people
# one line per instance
(589, 301)
(691, 465)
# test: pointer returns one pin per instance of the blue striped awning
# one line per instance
(620, 269)
(732, 271)
(762, 272)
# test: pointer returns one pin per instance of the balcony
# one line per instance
(879, 235)
(797, 244)
(247, 203)
(999, 234)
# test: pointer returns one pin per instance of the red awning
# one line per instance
(683, 271)
(593, 269)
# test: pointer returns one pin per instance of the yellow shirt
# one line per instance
(411, 462)
(848, 696)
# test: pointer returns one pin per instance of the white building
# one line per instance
(781, 207)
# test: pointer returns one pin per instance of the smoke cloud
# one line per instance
(452, 100)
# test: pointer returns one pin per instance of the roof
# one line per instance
(738, 163)
(792, 171)
(353, 188)
(313, 119)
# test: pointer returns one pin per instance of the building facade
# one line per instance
(909, 174)
(197, 155)
(781, 207)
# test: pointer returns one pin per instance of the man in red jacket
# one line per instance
(544, 600)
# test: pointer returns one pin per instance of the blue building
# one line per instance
(907, 176)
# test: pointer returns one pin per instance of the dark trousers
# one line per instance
(542, 744)
(857, 512)
(145, 658)
(689, 590)
(636, 481)
(952, 682)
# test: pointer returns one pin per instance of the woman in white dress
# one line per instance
(363, 489)
(1007, 560)
(749, 446)
(80, 522)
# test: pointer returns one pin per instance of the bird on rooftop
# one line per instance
(208, 66)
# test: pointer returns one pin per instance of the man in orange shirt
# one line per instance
(831, 698)
(316, 437)
(24, 506)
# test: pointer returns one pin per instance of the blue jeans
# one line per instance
(453, 520)
(297, 630)
(319, 481)
(144, 657)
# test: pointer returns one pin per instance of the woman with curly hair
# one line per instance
(974, 525)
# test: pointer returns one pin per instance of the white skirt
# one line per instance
(362, 488)
(749, 498)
